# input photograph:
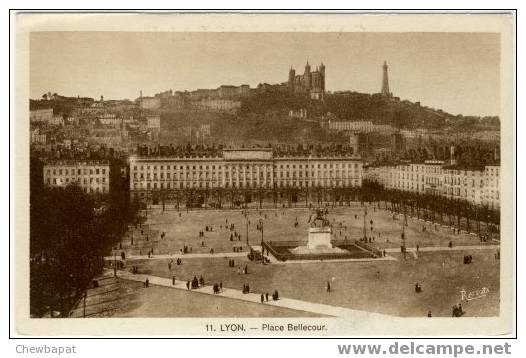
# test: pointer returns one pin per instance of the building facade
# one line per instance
(92, 176)
(491, 186)
(360, 126)
(153, 122)
(217, 105)
(37, 137)
(250, 169)
(109, 119)
(479, 187)
(300, 113)
(351, 126)
(149, 102)
(41, 115)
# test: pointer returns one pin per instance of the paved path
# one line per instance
(178, 255)
(244, 254)
(276, 261)
(445, 248)
(317, 308)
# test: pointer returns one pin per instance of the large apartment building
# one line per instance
(480, 187)
(243, 169)
(92, 176)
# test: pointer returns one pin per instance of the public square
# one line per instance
(384, 286)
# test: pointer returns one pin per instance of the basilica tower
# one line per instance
(292, 78)
(307, 77)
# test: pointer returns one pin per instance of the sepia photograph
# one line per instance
(303, 175)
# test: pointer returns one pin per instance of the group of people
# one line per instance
(458, 311)
(246, 288)
(264, 297)
(186, 249)
(244, 271)
(218, 287)
(467, 259)
(234, 235)
(195, 283)
(369, 239)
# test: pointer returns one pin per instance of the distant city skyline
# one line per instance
(456, 72)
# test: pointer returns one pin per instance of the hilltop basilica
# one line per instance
(311, 82)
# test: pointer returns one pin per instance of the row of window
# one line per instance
(492, 195)
(336, 174)
(241, 166)
(72, 171)
(59, 180)
(168, 185)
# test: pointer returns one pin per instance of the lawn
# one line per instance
(380, 286)
(122, 298)
(182, 228)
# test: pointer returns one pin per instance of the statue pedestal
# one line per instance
(319, 237)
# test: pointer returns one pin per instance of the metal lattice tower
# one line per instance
(385, 81)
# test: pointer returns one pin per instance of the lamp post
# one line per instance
(246, 221)
(84, 309)
(364, 222)
(262, 247)
(403, 238)
(115, 262)
(261, 226)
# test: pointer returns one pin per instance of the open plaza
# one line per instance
(175, 246)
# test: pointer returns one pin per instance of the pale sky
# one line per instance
(457, 72)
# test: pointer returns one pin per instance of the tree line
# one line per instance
(453, 212)
(70, 232)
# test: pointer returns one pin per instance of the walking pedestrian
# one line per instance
(173, 280)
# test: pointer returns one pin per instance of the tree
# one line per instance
(69, 233)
